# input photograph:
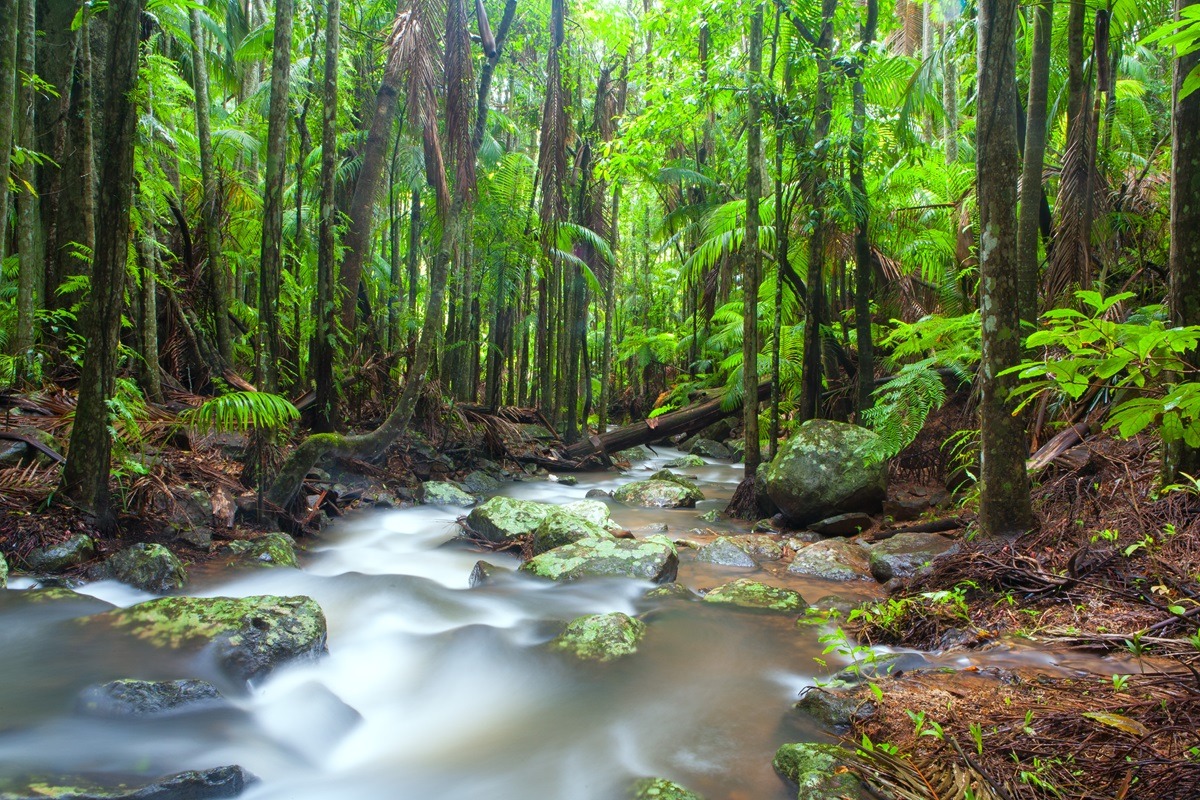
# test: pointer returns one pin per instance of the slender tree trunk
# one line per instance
(268, 341)
(949, 92)
(327, 310)
(29, 264)
(148, 258)
(1184, 257)
(862, 243)
(8, 104)
(752, 255)
(414, 261)
(85, 474)
(1004, 507)
(218, 277)
(810, 399)
(87, 129)
(1035, 152)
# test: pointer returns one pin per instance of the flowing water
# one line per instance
(436, 691)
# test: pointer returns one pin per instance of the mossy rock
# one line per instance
(149, 567)
(131, 699)
(601, 637)
(667, 475)
(561, 527)
(249, 636)
(724, 550)
(745, 593)
(480, 482)
(832, 560)
(823, 470)
(836, 704)
(593, 511)
(653, 558)
(661, 789)
(272, 550)
(817, 770)
(633, 454)
(55, 558)
(503, 520)
(709, 448)
(219, 782)
(444, 493)
(3, 572)
(671, 591)
(659, 494)
(688, 461)
(906, 554)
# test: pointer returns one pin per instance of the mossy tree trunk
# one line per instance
(1035, 152)
(326, 330)
(752, 255)
(8, 102)
(862, 242)
(29, 264)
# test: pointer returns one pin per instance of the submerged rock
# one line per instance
(501, 520)
(653, 558)
(835, 704)
(906, 554)
(709, 449)
(822, 471)
(833, 560)
(601, 637)
(560, 527)
(60, 557)
(746, 593)
(688, 461)
(218, 782)
(479, 482)
(671, 591)
(272, 550)
(659, 494)
(482, 574)
(136, 698)
(149, 567)
(817, 770)
(661, 789)
(248, 636)
(444, 493)
(726, 552)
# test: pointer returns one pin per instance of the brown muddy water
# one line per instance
(435, 691)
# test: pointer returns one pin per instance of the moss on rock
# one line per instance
(444, 493)
(746, 593)
(272, 550)
(149, 567)
(560, 527)
(661, 789)
(823, 470)
(653, 558)
(219, 782)
(659, 494)
(503, 520)
(817, 770)
(601, 637)
(62, 556)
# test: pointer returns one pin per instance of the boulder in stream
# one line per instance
(480, 482)
(661, 789)
(833, 560)
(505, 520)
(633, 454)
(130, 698)
(823, 470)
(745, 593)
(906, 554)
(653, 558)
(248, 636)
(149, 567)
(444, 493)
(272, 550)
(850, 524)
(724, 550)
(601, 637)
(560, 527)
(688, 461)
(817, 770)
(836, 704)
(3, 572)
(709, 448)
(208, 784)
(55, 558)
(659, 494)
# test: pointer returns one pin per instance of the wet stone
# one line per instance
(444, 493)
(653, 558)
(661, 789)
(502, 519)
(135, 698)
(708, 448)
(745, 593)
(836, 704)
(272, 550)
(906, 554)
(833, 560)
(60, 557)
(218, 782)
(816, 769)
(688, 461)
(601, 637)
(850, 524)
(725, 552)
(659, 494)
(149, 567)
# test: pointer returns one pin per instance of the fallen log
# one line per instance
(673, 423)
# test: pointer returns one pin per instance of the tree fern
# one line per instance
(902, 405)
(242, 412)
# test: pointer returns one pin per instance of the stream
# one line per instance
(434, 690)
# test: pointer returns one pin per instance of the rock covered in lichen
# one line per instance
(560, 527)
(272, 550)
(659, 494)
(671, 591)
(836, 704)
(661, 789)
(825, 469)
(653, 558)
(833, 560)
(906, 554)
(208, 784)
(724, 551)
(746, 593)
(502, 520)
(444, 493)
(817, 770)
(601, 637)
(149, 567)
(61, 556)
(130, 698)
(3, 572)
(593, 511)
(248, 636)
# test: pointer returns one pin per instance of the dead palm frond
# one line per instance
(906, 778)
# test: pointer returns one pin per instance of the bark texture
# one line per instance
(1035, 152)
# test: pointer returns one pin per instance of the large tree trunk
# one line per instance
(218, 277)
(1035, 152)
(1184, 257)
(271, 266)
(1004, 501)
(29, 262)
(8, 104)
(85, 475)
(862, 244)
(326, 333)
(751, 254)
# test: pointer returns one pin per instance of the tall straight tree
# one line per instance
(1035, 153)
(29, 265)
(271, 266)
(1184, 256)
(85, 475)
(862, 216)
(8, 103)
(1004, 500)
(327, 310)
(751, 254)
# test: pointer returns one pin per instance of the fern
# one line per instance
(242, 412)
(901, 407)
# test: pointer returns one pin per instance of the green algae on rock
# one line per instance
(745, 593)
(149, 567)
(62, 556)
(661, 789)
(249, 636)
(822, 471)
(504, 520)
(593, 511)
(209, 784)
(601, 637)
(272, 550)
(444, 493)
(653, 558)
(3, 572)
(817, 770)
(659, 494)
(560, 527)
